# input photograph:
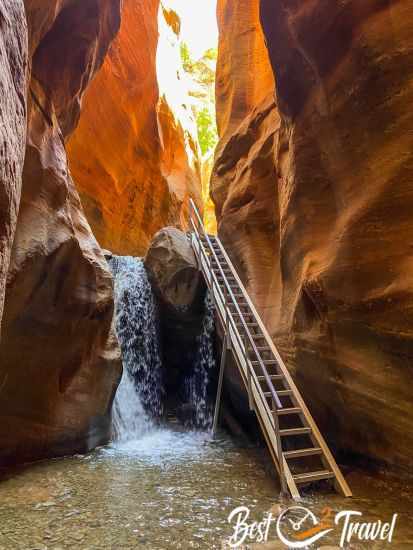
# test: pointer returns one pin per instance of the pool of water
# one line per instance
(166, 490)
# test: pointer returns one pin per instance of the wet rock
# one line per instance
(180, 288)
(173, 270)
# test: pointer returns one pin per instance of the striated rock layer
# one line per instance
(243, 180)
(59, 359)
(144, 164)
(326, 247)
(13, 86)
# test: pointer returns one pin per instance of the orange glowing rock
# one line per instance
(314, 201)
(134, 155)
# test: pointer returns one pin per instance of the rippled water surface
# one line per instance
(167, 490)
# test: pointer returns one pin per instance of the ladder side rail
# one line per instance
(266, 421)
(237, 335)
(268, 380)
(262, 408)
(343, 485)
(202, 256)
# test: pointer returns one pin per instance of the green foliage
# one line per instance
(207, 131)
(203, 73)
(186, 57)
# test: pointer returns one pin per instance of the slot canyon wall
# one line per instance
(59, 358)
(145, 161)
(99, 81)
(314, 201)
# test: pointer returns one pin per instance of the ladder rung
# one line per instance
(313, 476)
(236, 314)
(280, 393)
(258, 336)
(290, 410)
(298, 453)
(266, 362)
(295, 431)
(248, 324)
(271, 376)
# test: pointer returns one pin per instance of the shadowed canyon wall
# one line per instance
(59, 359)
(144, 163)
(106, 78)
(13, 106)
(314, 201)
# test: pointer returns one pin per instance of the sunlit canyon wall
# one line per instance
(314, 199)
(135, 155)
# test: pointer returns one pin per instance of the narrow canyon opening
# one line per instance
(151, 173)
(177, 377)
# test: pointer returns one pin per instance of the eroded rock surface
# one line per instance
(325, 245)
(13, 87)
(144, 164)
(59, 359)
(173, 268)
(243, 178)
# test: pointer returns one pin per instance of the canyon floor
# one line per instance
(169, 490)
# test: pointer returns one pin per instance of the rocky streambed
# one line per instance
(168, 490)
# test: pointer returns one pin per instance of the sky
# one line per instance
(199, 25)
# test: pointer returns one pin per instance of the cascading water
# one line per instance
(198, 384)
(140, 394)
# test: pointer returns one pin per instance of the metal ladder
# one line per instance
(297, 447)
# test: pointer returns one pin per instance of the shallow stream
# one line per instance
(167, 490)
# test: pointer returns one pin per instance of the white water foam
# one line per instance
(198, 384)
(139, 396)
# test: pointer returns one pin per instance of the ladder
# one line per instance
(299, 452)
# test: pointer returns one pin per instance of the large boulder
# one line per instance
(173, 269)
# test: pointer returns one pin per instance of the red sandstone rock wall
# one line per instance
(59, 359)
(13, 86)
(332, 267)
(143, 165)
(243, 178)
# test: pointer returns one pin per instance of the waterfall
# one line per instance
(139, 396)
(199, 382)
